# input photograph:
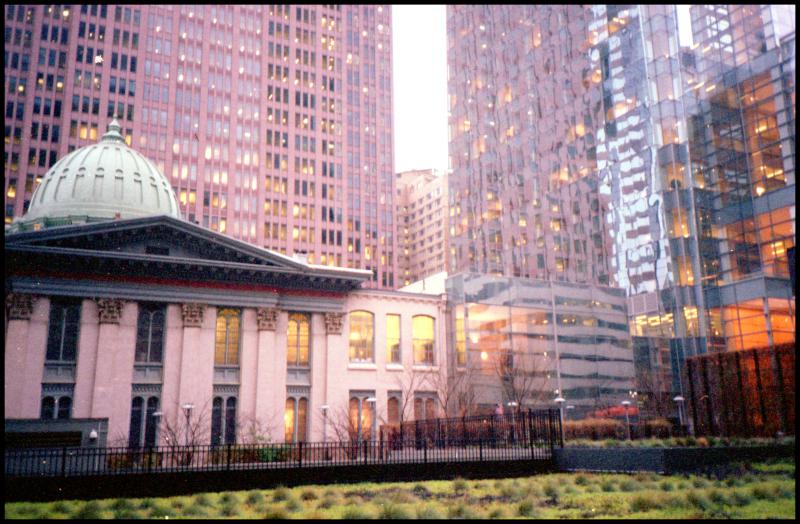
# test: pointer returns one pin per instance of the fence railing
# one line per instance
(529, 438)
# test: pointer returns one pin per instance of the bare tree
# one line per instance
(654, 388)
(523, 377)
(183, 430)
(455, 391)
(409, 384)
(259, 430)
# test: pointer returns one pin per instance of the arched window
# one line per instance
(362, 340)
(288, 421)
(422, 339)
(216, 422)
(227, 339)
(361, 416)
(62, 337)
(48, 408)
(64, 407)
(298, 339)
(230, 421)
(393, 410)
(150, 333)
(393, 339)
(135, 431)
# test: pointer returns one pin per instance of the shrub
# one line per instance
(702, 442)
(628, 485)
(292, 504)
(764, 492)
(63, 506)
(390, 510)
(526, 508)
(741, 498)
(117, 505)
(428, 511)
(280, 493)
(202, 500)
(147, 503)
(460, 511)
(162, 511)
(421, 491)
(594, 428)
(666, 486)
(581, 480)
(354, 512)
(195, 511)
(275, 513)
(718, 497)
(643, 502)
(254, 497)
(552, 492)
(658, 427)
(327, 502)
(308, 494)
(228, 498)
(608, 486)
(698, 500)
(459, 485)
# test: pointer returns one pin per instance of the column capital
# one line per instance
(193, 314)
(20, 306)
(109, 310)
(333, 323)
(267, 318)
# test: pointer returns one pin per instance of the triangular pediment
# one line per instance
(158, 237)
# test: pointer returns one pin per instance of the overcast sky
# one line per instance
(419, 46)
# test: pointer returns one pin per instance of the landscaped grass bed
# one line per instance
(763, 490)
(679, 442)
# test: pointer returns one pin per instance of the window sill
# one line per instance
(362, 366)
(394, 367)
(425, 367)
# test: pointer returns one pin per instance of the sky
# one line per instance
(419, 47)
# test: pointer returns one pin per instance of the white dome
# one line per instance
(106, 180)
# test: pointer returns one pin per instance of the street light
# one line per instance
(679, 400)
(187, 410)
(560, 401)
(569, 407)
(627, 403)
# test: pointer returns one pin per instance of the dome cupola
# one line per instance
(102, 181)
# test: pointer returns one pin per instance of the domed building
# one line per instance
(103, 181)
(125, 322)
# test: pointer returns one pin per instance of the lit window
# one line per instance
(361, 336)
(227, 337)
(422, 339)
(393, 339)
(297, 339)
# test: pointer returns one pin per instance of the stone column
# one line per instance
(24, 361)
(197, 360)
(267, 396)
(109, 311)
(335, 360)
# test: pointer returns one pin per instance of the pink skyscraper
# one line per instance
(273, 123)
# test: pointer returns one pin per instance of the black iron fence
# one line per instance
(540, 428)
(529, 436)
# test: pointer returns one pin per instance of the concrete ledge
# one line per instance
(660, 460)
(185, 483)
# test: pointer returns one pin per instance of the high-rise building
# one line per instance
(272, 123)
(674, 166)
(422, 222)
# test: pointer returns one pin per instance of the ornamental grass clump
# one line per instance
(527, 508)
(254, 497)
(355, 512)
(643, 502)
(203, 499)
(666, 486)
(275, 513)
(428, 512)
(581, 480)
(280, 493)
(699, 501)
(160, 511)
(628, 485)
(389, 510)
(459, 485)
(741, 498)
(309, 494)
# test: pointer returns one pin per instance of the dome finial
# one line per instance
(114, 132)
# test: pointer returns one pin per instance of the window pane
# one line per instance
(227, 337)
(135, 433)
(361, 336)
(302, 413)
(393, 338)
(151, 422)
(393, 410)
(288, 420)
(64, 407)
(422, 333)
(216, 422)
(230, 421)
(48, 408)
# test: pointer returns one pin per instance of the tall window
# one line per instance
(393, 408)
(142, 418)
(422, 335)
(393, 339)
(361, 416)
(424, 406)
(362, 340)
(296, 419)
(227, 342)
(62, 338)
(56, 407)
(297, 339)
(150, 333)
(223, 421)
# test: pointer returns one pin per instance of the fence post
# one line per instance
(381, 449)
(300, 453)
(64, 461)
(480, 448)
(530, 434)
(365, 451)
(228, 459)
(425, 452)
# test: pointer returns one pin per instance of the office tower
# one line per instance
(272, 123)
(689, 154)
(422, 221)
(524, 117)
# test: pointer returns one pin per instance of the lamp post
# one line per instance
(157, 416)
(560, 401)
(511, 406)
(679, 400)
(187, 411)
(569, 407)
(627, 403)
